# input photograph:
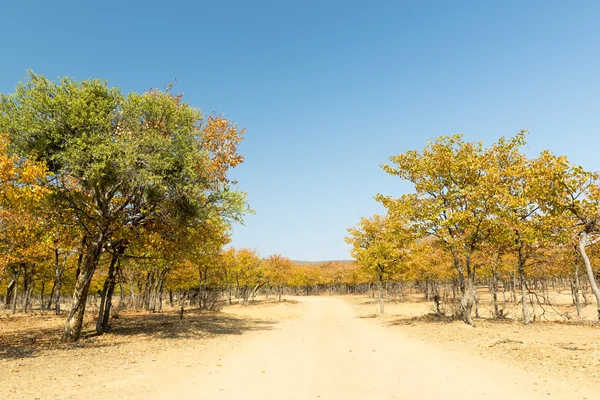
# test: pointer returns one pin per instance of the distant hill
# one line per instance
(317, 263)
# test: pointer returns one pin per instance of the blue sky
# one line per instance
(327, 91)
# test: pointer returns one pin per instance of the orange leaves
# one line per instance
(220, 138)
(278, 268)
(7, 162)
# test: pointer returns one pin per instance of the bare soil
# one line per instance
(552, 348)
(310, 348)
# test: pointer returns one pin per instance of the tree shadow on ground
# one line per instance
(431, 318)
(132, 326)
(434, 319)
(195, 325)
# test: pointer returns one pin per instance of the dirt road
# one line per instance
(329, 353)
(326, 352)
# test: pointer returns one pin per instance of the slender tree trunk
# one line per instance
(108, 304)
(513, 287)
(89, 263)
(27, 287)
(58, 273)
(494, 292)
(132, 298)
(526, 317)
(583, 241)
(82, 248)
(182, 304)
(255, 290)
(160, 293)
(575, 292)
(106, 295)
(380, 293)
(42, 289)
(9, 292)
(51, 296)
(15, 292)
(121, 289)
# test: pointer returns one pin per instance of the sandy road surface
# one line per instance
(327, 352)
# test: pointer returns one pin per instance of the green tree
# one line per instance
(118, 161)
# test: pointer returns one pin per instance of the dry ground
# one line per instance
(554, 349)
(320, 347)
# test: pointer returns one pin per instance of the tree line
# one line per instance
(485, 216)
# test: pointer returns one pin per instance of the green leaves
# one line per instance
(120, 159)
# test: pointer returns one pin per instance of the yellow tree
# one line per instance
(426, 261)
(378, 245)
(250, 273)
(24, 231)
(570, 189)
(521, 225)
(452, 201)
(277, 269)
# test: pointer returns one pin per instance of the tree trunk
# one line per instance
(575, 292)
(182, 304)
(583, 241)
(51, 297)
(467, 288)
(106, 295)
(255, 290)
(15, 292)
(27, 287)
(43, 288)
(9, 292)
(494, 292)
(89, 263)
(58, 273)
(160, 294)
(468, 300)
(57, 294)
(380, 293)
(526, 317)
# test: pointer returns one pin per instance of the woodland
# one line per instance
(123, 200)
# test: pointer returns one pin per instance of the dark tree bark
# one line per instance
(51, 296)
(89, 263)
(9, 291)
(102, 322)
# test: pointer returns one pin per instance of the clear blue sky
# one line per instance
(329, 90)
